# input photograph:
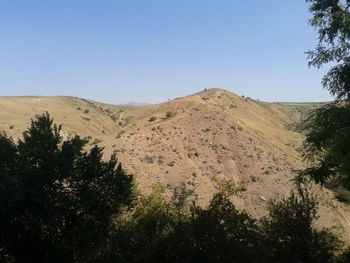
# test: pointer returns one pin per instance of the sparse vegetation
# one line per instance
(148, 159)
(342, 195)
(96, 141)
(153, 118)
(160, 159)
(253, 178)
(120, 133)
(153, 228)
(169, 114)
(171, 164)
(85, 118)
(225, 162)
(114, 117)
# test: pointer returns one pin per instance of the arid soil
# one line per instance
(193, 141)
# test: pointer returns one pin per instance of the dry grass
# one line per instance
(211, 134)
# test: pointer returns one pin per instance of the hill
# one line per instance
(196, 140)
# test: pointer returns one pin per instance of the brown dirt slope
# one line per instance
(194, 141)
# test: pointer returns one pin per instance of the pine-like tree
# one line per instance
(57, 202)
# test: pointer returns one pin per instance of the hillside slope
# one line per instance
(78, 116)
(193, 140)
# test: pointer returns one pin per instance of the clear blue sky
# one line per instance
(118, 51)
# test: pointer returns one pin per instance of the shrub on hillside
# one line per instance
(169, 114)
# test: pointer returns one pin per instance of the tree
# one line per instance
(219, 233)
(328, 139)
(141, 233)
(156, 229)
(332, 19)
(289, 235)
(163, 229)
(57, 202)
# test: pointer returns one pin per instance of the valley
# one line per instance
(192, 141)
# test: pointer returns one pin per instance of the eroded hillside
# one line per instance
(193, 140)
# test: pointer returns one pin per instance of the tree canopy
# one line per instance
(159, 231)
(328, 139)
(57, 202)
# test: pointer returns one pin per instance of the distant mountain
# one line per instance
(136, 104)
(194, 140)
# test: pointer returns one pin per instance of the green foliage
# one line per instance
(219, 233)
(228, 187)
(332, 19)
(328, 139)
(57, 201)
(171, 230)
(327, 144)
(289, 235)
(158, 229)
(142, 231)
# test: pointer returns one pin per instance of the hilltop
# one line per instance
(194, 140)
